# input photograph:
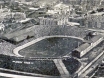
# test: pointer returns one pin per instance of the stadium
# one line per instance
(44, 53)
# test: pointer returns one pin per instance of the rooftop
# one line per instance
(95, 38)
(61, 5)
(98, 13)
(27, 19)
(82, 47)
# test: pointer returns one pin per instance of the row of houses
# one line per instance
(86, 47)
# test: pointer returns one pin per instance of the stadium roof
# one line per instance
(95, 38)
(19, 35)
(82, 47)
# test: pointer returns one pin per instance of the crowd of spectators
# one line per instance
(40, 31)
(72, 65)
(6, 48)
(45, 67)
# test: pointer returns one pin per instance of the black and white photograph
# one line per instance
(51, 38)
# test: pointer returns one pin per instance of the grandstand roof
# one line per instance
(82, 47)
(20, 34)
(95, 38)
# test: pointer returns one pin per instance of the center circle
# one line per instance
(51, 47)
